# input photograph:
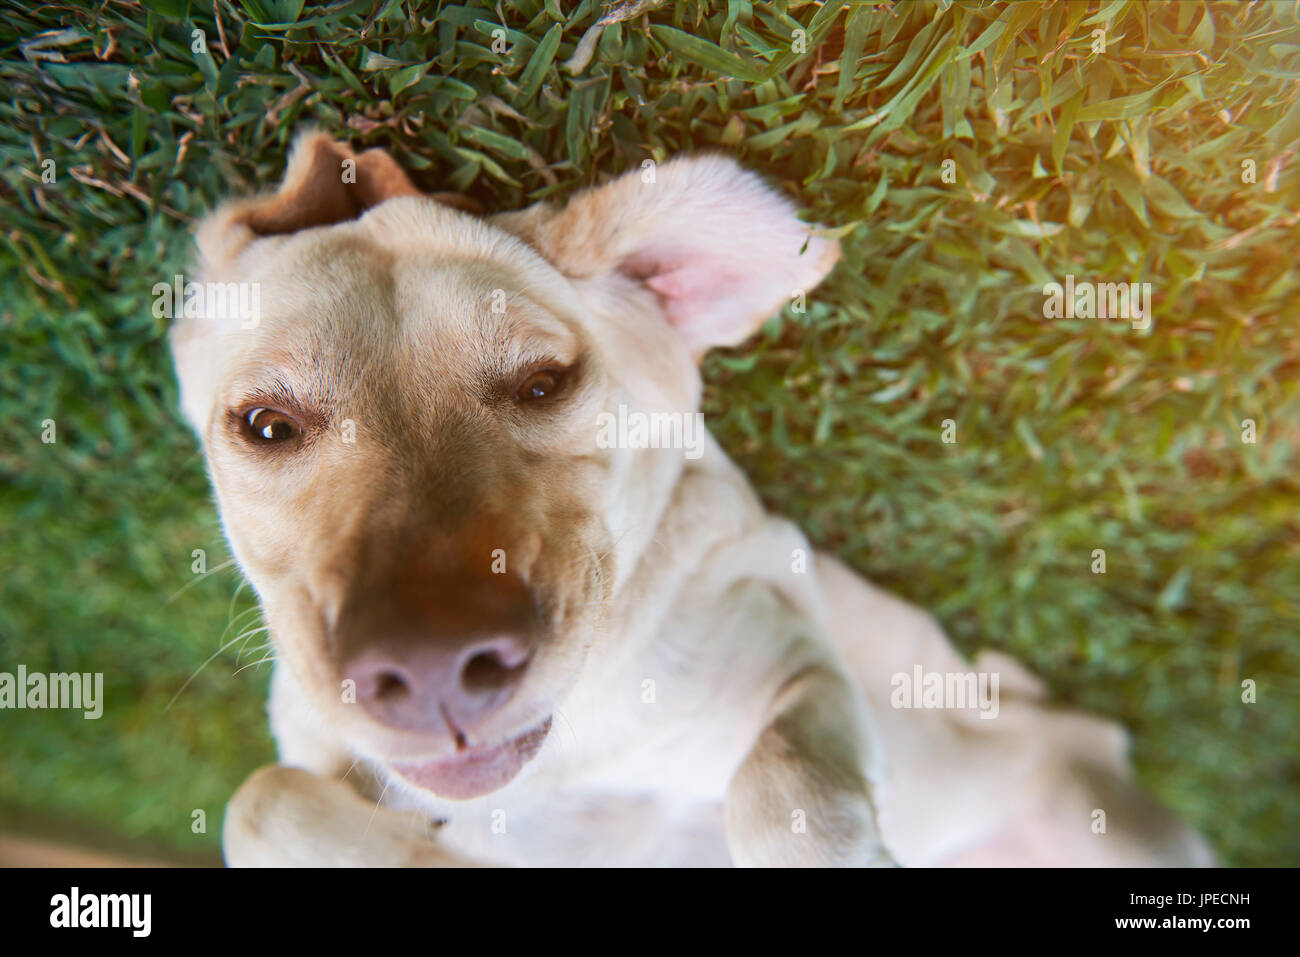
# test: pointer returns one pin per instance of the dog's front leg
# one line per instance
(802, 796)
(288, 817)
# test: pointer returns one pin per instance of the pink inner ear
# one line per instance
(688, 290)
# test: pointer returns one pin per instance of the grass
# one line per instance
(1071, 434)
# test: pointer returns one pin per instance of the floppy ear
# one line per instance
(324, 183)
(722, 251)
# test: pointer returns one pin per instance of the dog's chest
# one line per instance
(646, 789)
(590, 829)
(624, 780)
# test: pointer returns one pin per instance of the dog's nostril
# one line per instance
(488, 671)
(390, 686)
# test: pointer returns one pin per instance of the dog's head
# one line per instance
(401, 405)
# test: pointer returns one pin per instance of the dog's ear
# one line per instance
(324, 183)
(722, 250)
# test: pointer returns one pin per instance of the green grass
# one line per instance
(1072, 435)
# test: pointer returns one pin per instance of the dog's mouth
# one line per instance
(475, 770)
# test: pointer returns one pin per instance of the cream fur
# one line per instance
(769, 738)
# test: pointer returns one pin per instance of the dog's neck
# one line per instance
(712, 536)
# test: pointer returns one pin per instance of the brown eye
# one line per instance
(268, 425)
(542, 384)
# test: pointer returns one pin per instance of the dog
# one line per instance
(504, 638)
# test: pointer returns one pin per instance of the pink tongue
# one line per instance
(478, 771)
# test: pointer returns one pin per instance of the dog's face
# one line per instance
(404, 433)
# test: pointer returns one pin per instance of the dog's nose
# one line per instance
(415, 685)
(434, 650)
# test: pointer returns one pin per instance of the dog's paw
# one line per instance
(287, 817)
(788, 828)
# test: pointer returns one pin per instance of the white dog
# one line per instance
(508, 633)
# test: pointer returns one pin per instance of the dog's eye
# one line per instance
(269, 425)
(539, 385)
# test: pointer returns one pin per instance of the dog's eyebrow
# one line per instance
(537, 328)
(276, 394)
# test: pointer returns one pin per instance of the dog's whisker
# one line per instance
(221, 640)
(253, 664)
(248, 636)
(222, 644)
(378, 801)
(211, 658)
(259, 649)
(196, 579)
(235, 597)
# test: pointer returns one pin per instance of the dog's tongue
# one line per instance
(477, 771)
